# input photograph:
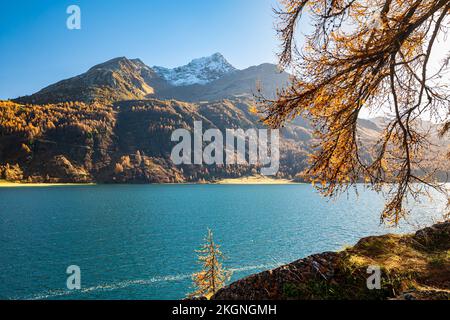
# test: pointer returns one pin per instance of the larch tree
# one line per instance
(213, 276)
(372, 55)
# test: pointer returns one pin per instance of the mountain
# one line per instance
(113, 80)
(114, 122)
(119, 79)
(198, 71)
(239, 83)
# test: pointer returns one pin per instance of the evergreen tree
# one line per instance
(213, 276)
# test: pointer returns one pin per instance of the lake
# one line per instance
(139, 241)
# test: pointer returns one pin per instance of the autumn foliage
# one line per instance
(213, 276)
(33, 120)
(373, 55)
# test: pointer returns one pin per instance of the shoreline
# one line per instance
(254, 180)
(8, 184)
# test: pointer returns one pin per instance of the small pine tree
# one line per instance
(213, 276)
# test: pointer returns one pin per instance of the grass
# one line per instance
(439, 260)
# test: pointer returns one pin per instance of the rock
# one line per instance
(62, 168)
(437, 236)
(272, 285)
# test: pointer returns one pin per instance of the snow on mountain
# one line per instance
(198, 71)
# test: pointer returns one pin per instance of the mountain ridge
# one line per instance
(198, 71)
(121, 78)
(115, 79)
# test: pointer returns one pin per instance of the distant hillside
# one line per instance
(128, 141)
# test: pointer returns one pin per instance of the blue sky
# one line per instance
(38, 49)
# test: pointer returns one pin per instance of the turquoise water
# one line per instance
(138, 242)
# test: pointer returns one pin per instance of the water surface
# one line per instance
(138, 242)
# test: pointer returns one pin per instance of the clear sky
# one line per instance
(37, 49)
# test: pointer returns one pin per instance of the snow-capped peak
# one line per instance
(198, 71)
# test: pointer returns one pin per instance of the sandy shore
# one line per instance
(244, 180)
(255, 180)
(7, 184)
